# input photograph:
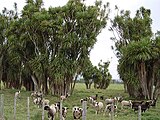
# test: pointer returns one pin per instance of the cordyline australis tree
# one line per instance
(138, 53)
(8, 68)
(52, 45)
(3, 46)
(99, 75)
(106, 77)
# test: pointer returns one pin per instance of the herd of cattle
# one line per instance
(99, 104)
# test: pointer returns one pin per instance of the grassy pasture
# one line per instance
(80, 92)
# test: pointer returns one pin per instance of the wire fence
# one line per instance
(2, 107)
(28, 116)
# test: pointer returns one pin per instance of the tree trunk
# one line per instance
(143, 80)
(87, 86)
(151, 84)
(90, 85)
(74, 83)
(45, 87)
(125, 87)
(35, 81)
(4, 78)
(1, 71)
(156, 67)
(157, 88)
(132, 91)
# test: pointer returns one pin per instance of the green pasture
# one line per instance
(79, 92)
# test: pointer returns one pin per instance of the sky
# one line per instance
(102, 49)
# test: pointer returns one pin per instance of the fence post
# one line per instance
(112, 111)
(15, 99)
(42, 110)
(61, 110)
(28, 110)
(84, 110)
(139, 112)
(2, 107)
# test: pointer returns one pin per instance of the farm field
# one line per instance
(79, 92)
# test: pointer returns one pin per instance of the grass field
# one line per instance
(79, 92)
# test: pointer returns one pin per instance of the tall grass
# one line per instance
(79, 92)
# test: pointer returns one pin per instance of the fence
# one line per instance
(2, 107)
(84, 106)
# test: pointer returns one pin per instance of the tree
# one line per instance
(3, 47)
(51, 46)
(99, 75)
(105, 75)
(6, 73)
(88, 74)
(77, 38)
(135, 51)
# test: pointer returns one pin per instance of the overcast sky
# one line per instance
(102, 49)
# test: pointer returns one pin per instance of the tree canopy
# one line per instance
(46, 48)
(138, 53)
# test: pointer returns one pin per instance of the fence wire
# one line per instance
(17, 109)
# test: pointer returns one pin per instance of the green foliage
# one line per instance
(100, 75)
(134, 46)
(139, 51)
(127, 29)
(106, 76)
(52, 43)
